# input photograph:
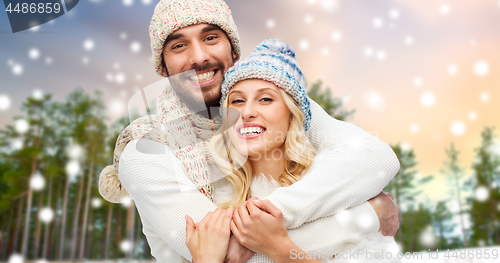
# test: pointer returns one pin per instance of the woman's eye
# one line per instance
(236, 101)
(266, 99)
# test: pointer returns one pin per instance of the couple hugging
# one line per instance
(270, 177)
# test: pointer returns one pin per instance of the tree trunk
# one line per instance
(88, 245)
(7, 239)
(108, 231)
(38, 230)
(63, 222)
(51, 252)
(87, 204)
(460, 210)
(47, 226)
(130, 227)
(76, 216)
(400, 231)
(18, 225)
(30, 197)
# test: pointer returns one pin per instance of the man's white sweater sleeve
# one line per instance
(358, 166)
(163, 195)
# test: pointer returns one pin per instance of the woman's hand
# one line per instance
(261, 231)
(208, 240)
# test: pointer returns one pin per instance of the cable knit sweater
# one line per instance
(356, 167)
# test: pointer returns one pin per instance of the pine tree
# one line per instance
(483, 209)
(443, 225)
(403, 185)
(333, 106)
(455, 174)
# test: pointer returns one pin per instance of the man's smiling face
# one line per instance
(206, 49)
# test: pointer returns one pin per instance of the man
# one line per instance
(199, 40)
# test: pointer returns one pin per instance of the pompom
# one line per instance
(275, 46)
(110, 187)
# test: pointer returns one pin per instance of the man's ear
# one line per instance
(164, 71)
(234, 55)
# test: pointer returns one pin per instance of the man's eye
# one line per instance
(210, 38)
(178, 46)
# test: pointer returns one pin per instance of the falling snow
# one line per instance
(17, 69)
(414, 128)
(270, 23)
(337, 36)
(37, 182)
(485, 97)
(472, 115)
(481, 194)
(458, 128)
(481, 68)
(452, 69)
(34, 53)
(374, 99)
(308, 19)
(418, 81)
(128, 2)
(46, 215)
(5, 102)
(444, 9)
(88, 45)
(135, 47)
(22, 126)
(428, 99)
(378, 22)
(38, 94)
(409, 40)
(304, 44)
(394, 14)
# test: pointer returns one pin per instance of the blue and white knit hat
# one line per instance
(274, 61)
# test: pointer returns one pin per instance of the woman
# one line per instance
(264, 149)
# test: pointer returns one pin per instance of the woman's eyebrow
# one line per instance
(267, 89)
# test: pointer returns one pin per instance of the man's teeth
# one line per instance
(251, 130)
(202, 77)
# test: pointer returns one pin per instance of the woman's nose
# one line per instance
(249, 111)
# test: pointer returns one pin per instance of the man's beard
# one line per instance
(198, 98)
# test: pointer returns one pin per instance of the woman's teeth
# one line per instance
(251, 130)
(202, 77)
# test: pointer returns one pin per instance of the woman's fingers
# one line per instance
(190, 227)
(243, 213)
(237, 219)
(252, 209)
(267, 206)
(235, 230)
(228, 216)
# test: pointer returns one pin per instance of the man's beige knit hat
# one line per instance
(171, 15)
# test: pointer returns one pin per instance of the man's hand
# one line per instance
(236, 253)
(387, 213)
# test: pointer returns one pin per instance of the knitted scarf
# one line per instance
(186, 133)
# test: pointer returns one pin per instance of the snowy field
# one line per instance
(470, 255)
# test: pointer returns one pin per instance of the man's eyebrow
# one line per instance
(173, 37)
(209, 28)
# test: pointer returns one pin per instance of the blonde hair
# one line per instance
(299, 154)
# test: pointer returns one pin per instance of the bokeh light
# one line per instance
(17, 69)
(481, 194)
(46, 215)
(394, 13)
(418, 81)
(135, 47)
(381, 54)
(96, 202)
(38, 94)
(337, 36)
(427, 238)
(414, 128)
(444, 9)
(120, 78)
(270, 23)
(378, 22)
(34, 53)
(37, 182)
(481, 68)
(375, 100)
(409, 40)
(452, 69)
(308, 19)
(72, 169)
(75, 152)
(125, 246)
(89, 44)
(22, 126)
(472, 115)
(428, 99)
(128, 2)
(458, 128)
(485, 97)
(5, 102)
(16, 258)
(304, 44)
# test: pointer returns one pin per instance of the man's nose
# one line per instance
(199, 54)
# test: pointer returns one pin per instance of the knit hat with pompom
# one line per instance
(274, 61)
(171, 15)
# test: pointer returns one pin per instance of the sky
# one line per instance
(421, 73)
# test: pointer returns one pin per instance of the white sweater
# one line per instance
(356, 168)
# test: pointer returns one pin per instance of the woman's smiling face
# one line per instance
(262, 127)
